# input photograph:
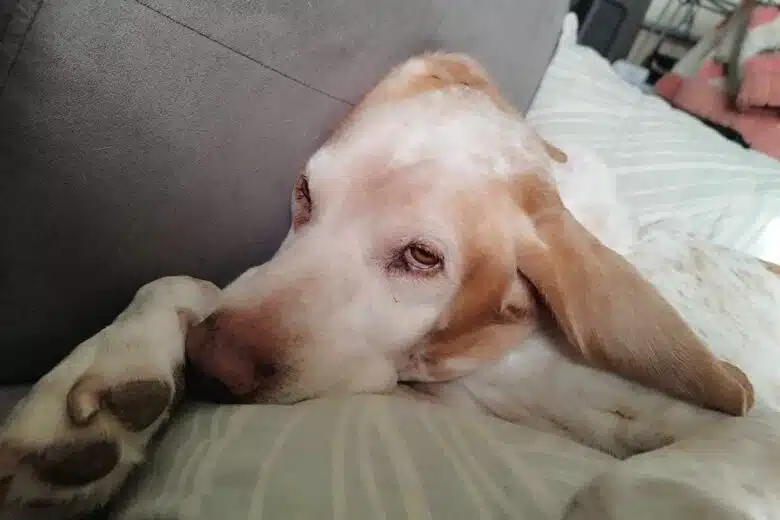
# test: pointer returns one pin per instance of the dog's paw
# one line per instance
(73, 440)
(137, 403)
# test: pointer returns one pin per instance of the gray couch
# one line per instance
(142, 138)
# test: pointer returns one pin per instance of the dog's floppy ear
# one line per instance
(613, 318)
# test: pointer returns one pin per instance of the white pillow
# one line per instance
(667, 163)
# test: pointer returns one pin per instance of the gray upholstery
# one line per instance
(146, 138)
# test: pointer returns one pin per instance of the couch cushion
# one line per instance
(148, 138)
(360, 457)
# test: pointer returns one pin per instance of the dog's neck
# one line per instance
(504, 387)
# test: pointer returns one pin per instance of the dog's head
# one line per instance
(426, 233)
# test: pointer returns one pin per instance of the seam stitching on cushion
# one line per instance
(242, 54)
(20, 44)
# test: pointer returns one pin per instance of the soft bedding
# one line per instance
(363, 457)
(726, 473)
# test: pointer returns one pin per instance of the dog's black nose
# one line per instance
(205, 388)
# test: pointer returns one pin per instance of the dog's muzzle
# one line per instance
(219, 368)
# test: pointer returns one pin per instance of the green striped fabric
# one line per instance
(362, 457)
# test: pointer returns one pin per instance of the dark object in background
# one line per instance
(728, 133)
(610, 26)
(658, 64)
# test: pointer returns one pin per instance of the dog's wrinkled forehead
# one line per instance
(455, 130)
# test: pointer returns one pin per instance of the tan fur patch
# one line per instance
(613, 318)
(438, 72)
(772, 267)
(441, 71)
(556, 154)
(480, 325)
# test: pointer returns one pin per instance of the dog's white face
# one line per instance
(418, 229)
(390, 248)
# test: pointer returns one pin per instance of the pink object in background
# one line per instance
(698, 82)
(760, 60)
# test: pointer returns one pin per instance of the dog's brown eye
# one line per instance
(303, 206)
(421, 257)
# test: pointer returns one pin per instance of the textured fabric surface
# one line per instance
(16, 17)
(726, 473)
(667, 163)
(143, 138)
(365, 457)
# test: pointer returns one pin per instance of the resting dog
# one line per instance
(429, 245)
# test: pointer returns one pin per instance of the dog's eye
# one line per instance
(303, 205)
(420, 257)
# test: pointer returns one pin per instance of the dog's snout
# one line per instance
(227, 359)
(203, 387)
(266, 370)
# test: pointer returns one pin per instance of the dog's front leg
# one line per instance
(73, 440)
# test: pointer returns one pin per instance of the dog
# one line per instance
(439, 249)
